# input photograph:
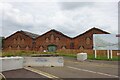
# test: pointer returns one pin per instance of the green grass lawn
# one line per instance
(3, 79)
(115, 58)
(18, 53)
(68, 55)
(90, 57)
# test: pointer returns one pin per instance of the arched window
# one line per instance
(14, 41)
(23, 41)
(63, 47)
(88, 40)
(57, 39)
(18, 40)
(27, 47)
(47, 40)
(10, 47)
(41, 48)
(52, 38)
(81, 47)
(18, 47)
(71, 45)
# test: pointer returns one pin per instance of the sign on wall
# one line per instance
(106, 42)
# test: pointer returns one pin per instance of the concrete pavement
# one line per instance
(72, 69)
(85, 69)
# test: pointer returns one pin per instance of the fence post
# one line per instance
(111, 53)
(108, 54)
(95, 54)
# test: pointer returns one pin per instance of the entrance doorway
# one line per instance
(52, 48)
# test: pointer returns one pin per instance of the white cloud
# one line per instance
(60, 0)
(42, 16)
(101, 15)
(14, 14)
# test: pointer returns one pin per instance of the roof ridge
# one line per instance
(35, 36)
(90, 30)
(28, 32)
(55, 31)
(60, 32)
(32, 35)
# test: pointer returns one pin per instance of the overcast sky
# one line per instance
(71, 18)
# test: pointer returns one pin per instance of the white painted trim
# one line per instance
(41, 72)
(92, 71)
(108, 56)
(2, 76)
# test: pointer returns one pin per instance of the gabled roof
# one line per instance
(29, 34)
(92, 29)
(58, 32)
(35, 36)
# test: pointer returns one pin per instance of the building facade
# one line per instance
(50, 41)
(21, 40)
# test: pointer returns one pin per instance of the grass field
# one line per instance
(31, 53)
(91, 57)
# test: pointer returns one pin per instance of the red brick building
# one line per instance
(51, 40)
(21, 40)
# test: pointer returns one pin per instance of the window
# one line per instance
(57, 39)
(18, 40)
(33, 42)
(23, 41)
(27, 47)
(47, 40)
(52, 38)
(88, 40)
(14, 41)
(41, 48)
(81, 47)
(18, 47)
(71, 45)
(9, 47)
(63, 47)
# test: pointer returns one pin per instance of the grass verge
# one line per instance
(31, 53)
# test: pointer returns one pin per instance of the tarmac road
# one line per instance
(71, 69)
(86, 69)
(23, 74)
(102, 67)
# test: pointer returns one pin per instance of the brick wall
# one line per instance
(81, 41)
(52, 38)
(17, 41)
